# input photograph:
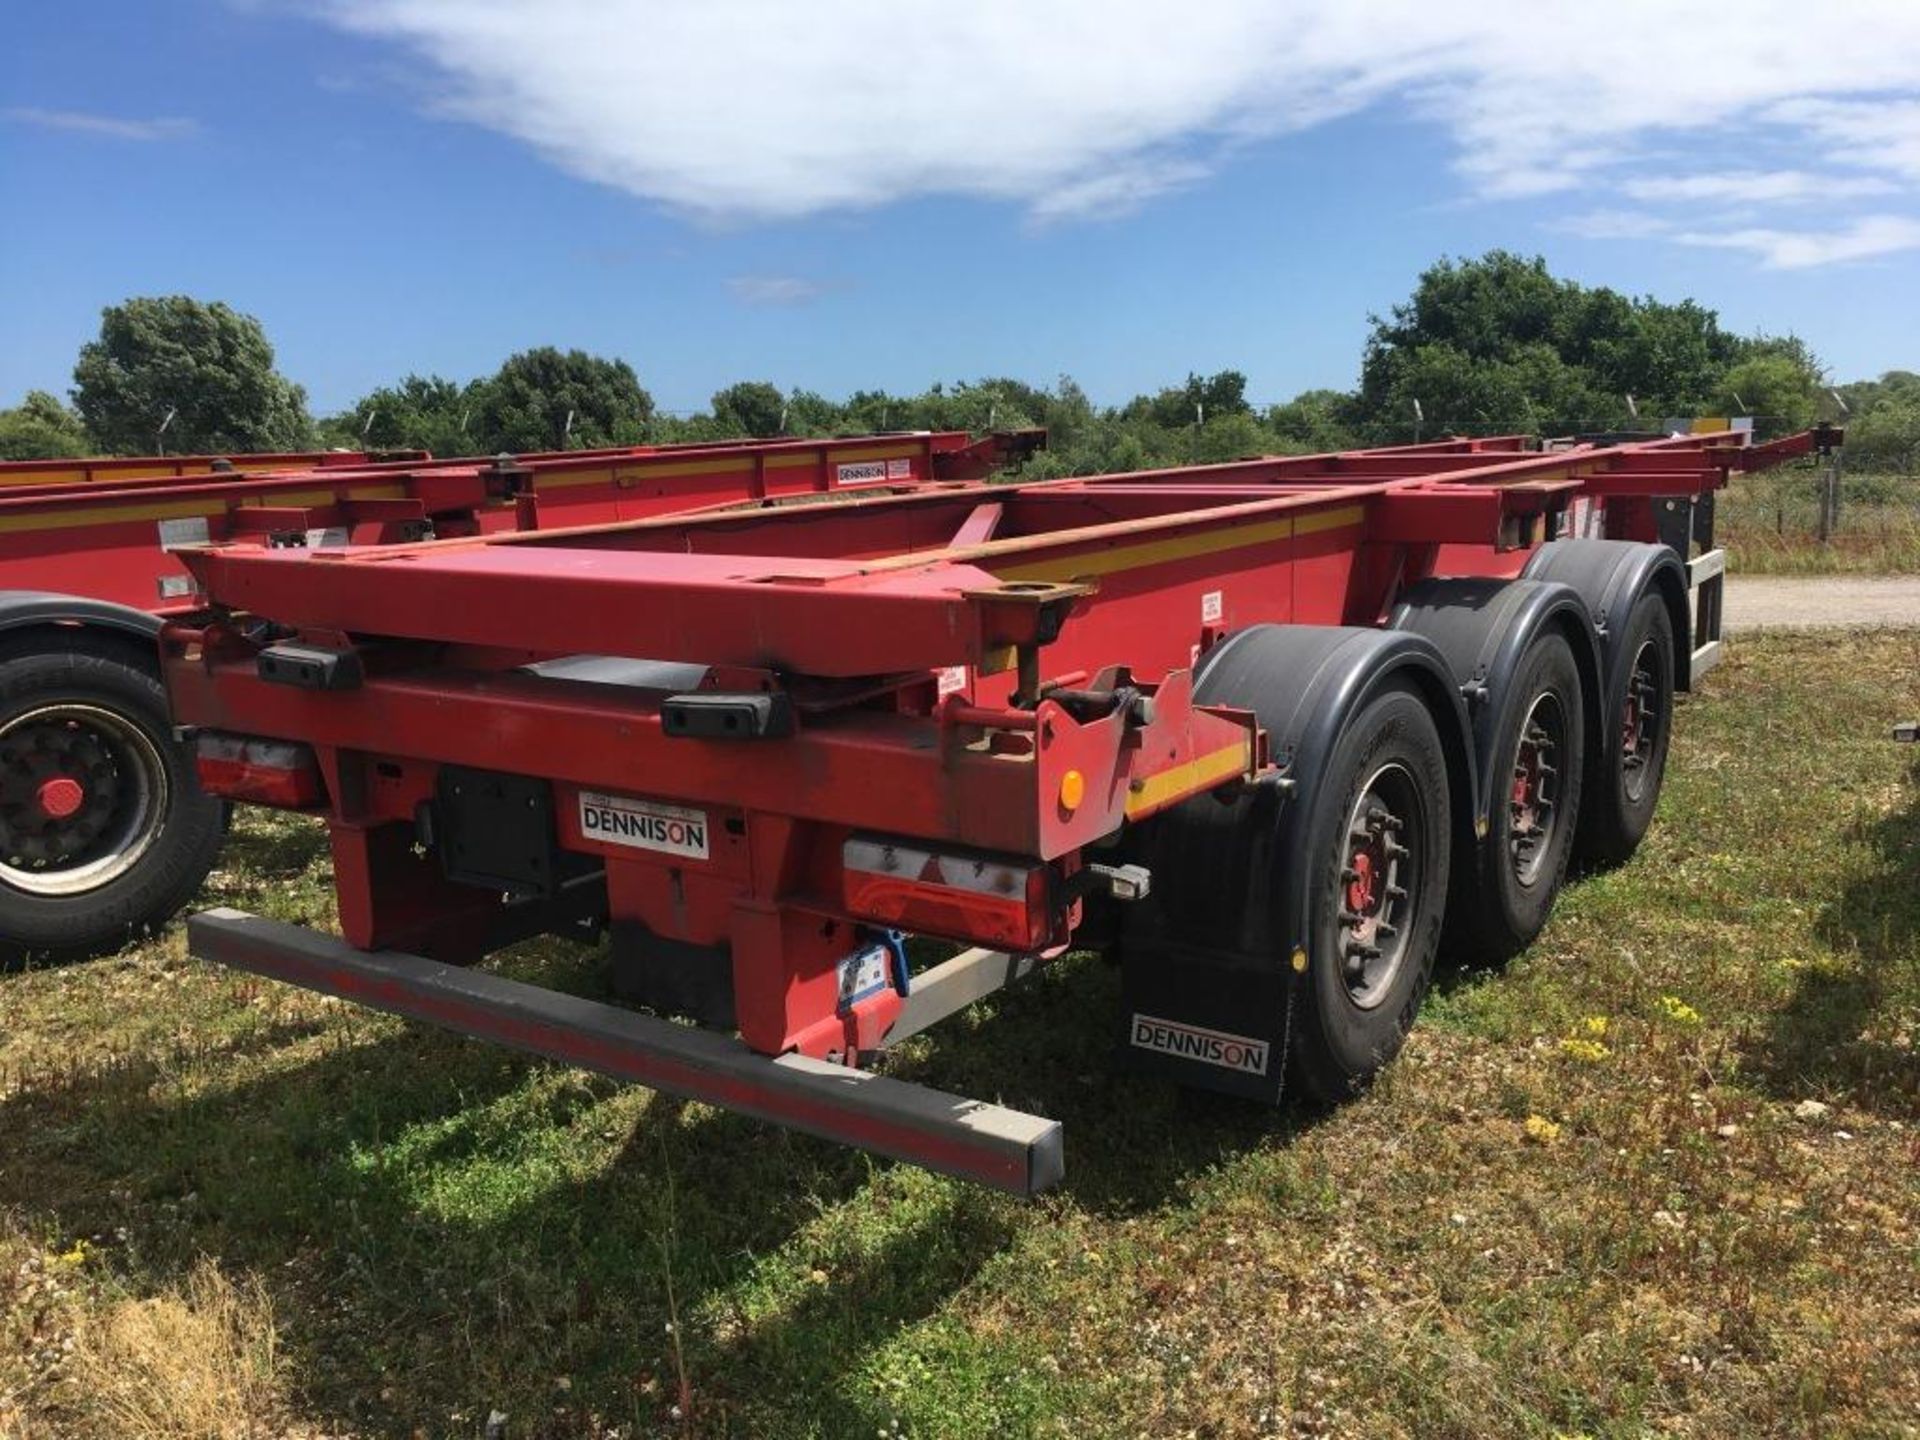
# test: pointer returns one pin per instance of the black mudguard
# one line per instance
(1611, 576)
(1483, 628)
(1209, 951)
(20, 609)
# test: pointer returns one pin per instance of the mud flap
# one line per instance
(1205, 1019)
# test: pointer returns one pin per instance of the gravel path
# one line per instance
(1768, 602)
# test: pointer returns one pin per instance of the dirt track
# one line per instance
(1766, 602)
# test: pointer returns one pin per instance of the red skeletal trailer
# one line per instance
(1269, 726)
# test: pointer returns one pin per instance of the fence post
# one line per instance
(1829, 519)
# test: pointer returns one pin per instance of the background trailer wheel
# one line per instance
(1638, 595)
(1526, 656)
(1291, 931)
(1530, 833)
(104, 832)
(1631, 752)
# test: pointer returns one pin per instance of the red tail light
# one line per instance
(281, 773)
(992, 900)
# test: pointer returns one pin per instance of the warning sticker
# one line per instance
(1191, 1042)
(1212, 607)
(901, 469)
(951, 681)
(861, 472)
(643, 824)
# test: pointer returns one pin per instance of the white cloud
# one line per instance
(774, 290)
(1615, 225)
(767, 109)
(1122, 189)
(114, 127)
(1879, 133)
(1759, 187)
(1863, 239)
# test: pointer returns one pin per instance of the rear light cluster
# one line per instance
(996, 900)
(282, 773)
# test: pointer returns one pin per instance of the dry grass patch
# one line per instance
(199, 1360)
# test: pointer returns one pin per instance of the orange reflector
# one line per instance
(1073, 789)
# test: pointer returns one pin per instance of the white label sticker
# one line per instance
(643, 824)
(1211, 608)
(190, 531)
(175, 587)
(951, 681)
(864, 472)
(901, 469)
(863, 973)
(1209, 1047)
(332, 537)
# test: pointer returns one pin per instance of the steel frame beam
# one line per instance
(112, 538)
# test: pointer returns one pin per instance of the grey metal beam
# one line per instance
(969, 1138)
(955, 984)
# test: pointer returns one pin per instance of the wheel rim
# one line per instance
(1385, 840)
(1533, 801)
(83, 795)
(1640, 719)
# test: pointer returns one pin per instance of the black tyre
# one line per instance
(1378, 841)
(104, 833)
(1631, 752)
(1501, 899)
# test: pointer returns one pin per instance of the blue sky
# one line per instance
(853, 193)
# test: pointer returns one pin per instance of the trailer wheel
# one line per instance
(1502, 902)
(1378, 841)
(104, 833)
(1632, 751)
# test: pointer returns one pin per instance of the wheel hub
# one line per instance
(82, 796)
(60, 797)
(1640, 721)
(1376, 906)
(1533, 800)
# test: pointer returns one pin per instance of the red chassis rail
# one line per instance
(749, 742)
(104, 470)
(107, 529)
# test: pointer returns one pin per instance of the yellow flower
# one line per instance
(76, 1256)
(1678, 1011)
(1591, 1051)
(1594, 1027)
(1542, 1130)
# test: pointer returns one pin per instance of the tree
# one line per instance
(208, 365)
(1862, 396)
(750, 407)
(1887, 437)
(41, 428)
(422, 412)
(1777, 389)
(1499, 342)
(1200, 399)
(810, 413)
(526, 404)
(1315, 420)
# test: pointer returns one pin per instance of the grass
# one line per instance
(1769, 523)
(1592, 1199)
